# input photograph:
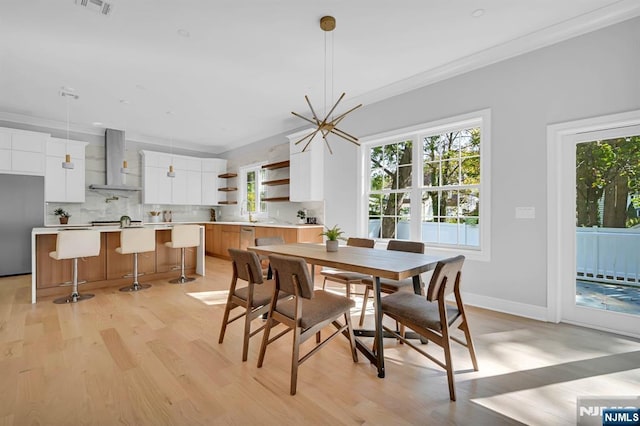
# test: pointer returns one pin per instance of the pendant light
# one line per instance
(327, 126)
(67, 93)
(125, 167)
(171, 173)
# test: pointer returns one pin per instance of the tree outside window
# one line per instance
(442, 206)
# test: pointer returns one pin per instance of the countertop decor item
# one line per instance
(63, 215)
(333, 235)
(329, 123)
(302, 214)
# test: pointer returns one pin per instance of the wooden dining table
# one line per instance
(395, 265)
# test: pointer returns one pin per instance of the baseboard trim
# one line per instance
(506, 306)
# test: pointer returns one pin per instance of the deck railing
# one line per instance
(609, 255)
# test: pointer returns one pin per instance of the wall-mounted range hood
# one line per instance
(113, 156)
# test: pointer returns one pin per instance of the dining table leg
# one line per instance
(379, 341)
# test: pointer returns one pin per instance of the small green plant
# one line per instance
(301, 214)
(334, 234)
(61, 212)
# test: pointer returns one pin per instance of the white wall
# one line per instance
(591, 75)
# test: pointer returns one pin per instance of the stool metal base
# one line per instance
(182, 280)
(135, 287)
(73, 298)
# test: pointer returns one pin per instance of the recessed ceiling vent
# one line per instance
(97, 6)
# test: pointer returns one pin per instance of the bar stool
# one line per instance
(183, 236)
(134, 241)
(73, 244)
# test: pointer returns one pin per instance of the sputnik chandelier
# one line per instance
(328, 125)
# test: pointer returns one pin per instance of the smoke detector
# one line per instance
(98, 6)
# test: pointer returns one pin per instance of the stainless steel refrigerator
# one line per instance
(21, 209)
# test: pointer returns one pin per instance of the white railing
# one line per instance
(609, 255)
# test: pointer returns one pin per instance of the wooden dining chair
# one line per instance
(391, 286)
(254, 299)
(304, 311)
(432, 317)
(347, 277)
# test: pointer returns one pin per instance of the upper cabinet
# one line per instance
(60, 184)
(22, 152)
(212, 168)
(194, 183)
(306, 169)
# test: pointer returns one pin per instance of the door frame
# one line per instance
(561, 262)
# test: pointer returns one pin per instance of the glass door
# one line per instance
(604, 288)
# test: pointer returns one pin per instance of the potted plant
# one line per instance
(302, 214)
(333, 235)
(63, 215)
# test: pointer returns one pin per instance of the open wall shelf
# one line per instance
(278, 165)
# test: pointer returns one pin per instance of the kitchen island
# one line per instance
(109, 268)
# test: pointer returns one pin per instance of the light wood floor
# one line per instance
(153, 358)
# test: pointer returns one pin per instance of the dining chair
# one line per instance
(268, 241)
(432, 317)
(391, 286)
(347, 277)
(254, 299)
(303, 311)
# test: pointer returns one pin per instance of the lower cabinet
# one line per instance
(219, 237)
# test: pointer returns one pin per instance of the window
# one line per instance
(426, 184)
(252, 190)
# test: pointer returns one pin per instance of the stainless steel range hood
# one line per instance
(113, 156)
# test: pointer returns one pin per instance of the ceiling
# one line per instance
(214, 75)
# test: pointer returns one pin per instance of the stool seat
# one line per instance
(183, 236)
(73, 244)
(134, 241)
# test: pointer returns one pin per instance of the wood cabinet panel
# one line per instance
(121, 265)
(229, 238)
(52, 273)
(309, 235)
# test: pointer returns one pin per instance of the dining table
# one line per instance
(390, 264)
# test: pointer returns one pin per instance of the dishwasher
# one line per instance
(247, 237)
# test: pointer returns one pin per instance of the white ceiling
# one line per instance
(247, 64)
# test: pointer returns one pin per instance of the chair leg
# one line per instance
(136, 285)
(295, 360)
(183, 278)
(364, 305)
(247, 332)
(467, 334)
(265, 339)
(74, 296)
(352, 340)
(324, 282)
(446, 345)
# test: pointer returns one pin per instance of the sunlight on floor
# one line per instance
(211, 298)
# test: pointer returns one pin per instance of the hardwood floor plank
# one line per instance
(153, 358)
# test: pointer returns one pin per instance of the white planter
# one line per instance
(332, 245)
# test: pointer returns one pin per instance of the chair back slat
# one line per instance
(447, 273)
(288, 267)
(360, 242)
(408, 246)
(243, 258)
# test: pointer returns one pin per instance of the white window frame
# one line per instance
(481, 119)
(242, 174)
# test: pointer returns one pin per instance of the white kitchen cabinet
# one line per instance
(156, 185)
(306, 169)
(64, 185)
(22, 152)
(191, 184)
(211, 169)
